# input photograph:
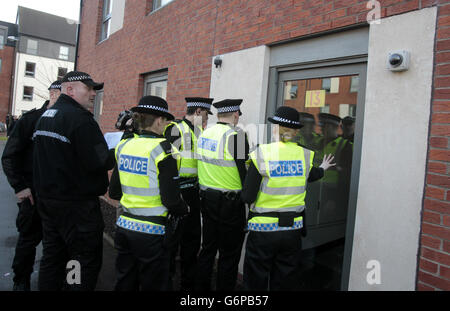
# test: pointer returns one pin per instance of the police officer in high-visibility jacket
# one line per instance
(184, 134)
(276, 184)
(222, 151)
(148, 175)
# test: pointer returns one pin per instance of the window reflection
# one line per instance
(329, 125)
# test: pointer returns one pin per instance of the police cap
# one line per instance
(74, 76)
(328, 118)
(199, 102)
(153, 105)
(228, 105)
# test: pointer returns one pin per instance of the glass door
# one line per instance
(330, 102)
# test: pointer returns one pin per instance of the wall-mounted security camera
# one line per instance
(218, 61)
(398, 61)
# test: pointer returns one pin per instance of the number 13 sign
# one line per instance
(315, 99)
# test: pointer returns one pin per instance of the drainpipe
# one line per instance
(12, 89)
(78, 35)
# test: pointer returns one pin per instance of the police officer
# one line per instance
(70, 170)
(307, 137)
(148, 175)
(184, 134)
(17, 163)
(348, 128)
(222, 151)
(276, 183)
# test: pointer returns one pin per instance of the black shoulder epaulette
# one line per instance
(29, 111)
(167, 146)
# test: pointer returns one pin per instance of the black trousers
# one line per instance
(272, 260)
(187, 240)
(142, 261)
(29, 226)
(72, 231)
(223, 231)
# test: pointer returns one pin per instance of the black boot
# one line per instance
(22, 286)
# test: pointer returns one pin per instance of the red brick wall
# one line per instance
(434, 263)
(184, 35)
(7, 56)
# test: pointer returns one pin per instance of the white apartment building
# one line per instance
(45, 53)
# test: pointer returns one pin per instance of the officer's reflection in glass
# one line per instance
(307, 137)
(335, 185)
(348, 128)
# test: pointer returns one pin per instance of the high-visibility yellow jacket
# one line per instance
(284, 167)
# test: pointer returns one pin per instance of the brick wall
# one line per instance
(434, 261)
(184, 35)
(7, 57)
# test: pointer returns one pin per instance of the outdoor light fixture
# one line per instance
(398, 61)
(218, 61)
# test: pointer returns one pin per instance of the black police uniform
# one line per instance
(70, 168)
(188, 235)
(17, 161)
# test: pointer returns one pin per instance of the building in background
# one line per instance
(383, 222)
(45, 52)
(8, 37)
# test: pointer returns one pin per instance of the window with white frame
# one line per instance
(32, 46)
(325, 109)
(64, 52)
(0, 65)
(30, 69)
(354, 85)
(156, 84)
(28, 93)
(160, 3)
(2, 37)
(98, 105)
(61, 73)
(106, 19)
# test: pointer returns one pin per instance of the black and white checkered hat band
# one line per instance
(285, 120)
(228, 109)
(79, 78)
(154, 108)
(55, 86)
(198, 104)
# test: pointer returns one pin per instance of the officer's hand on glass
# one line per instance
(326, 162)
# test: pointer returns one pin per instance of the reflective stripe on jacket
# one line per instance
(284, 168)
(137, 161)
(216, 166)
(188, 146)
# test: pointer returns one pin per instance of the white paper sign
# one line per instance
(113, 138)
